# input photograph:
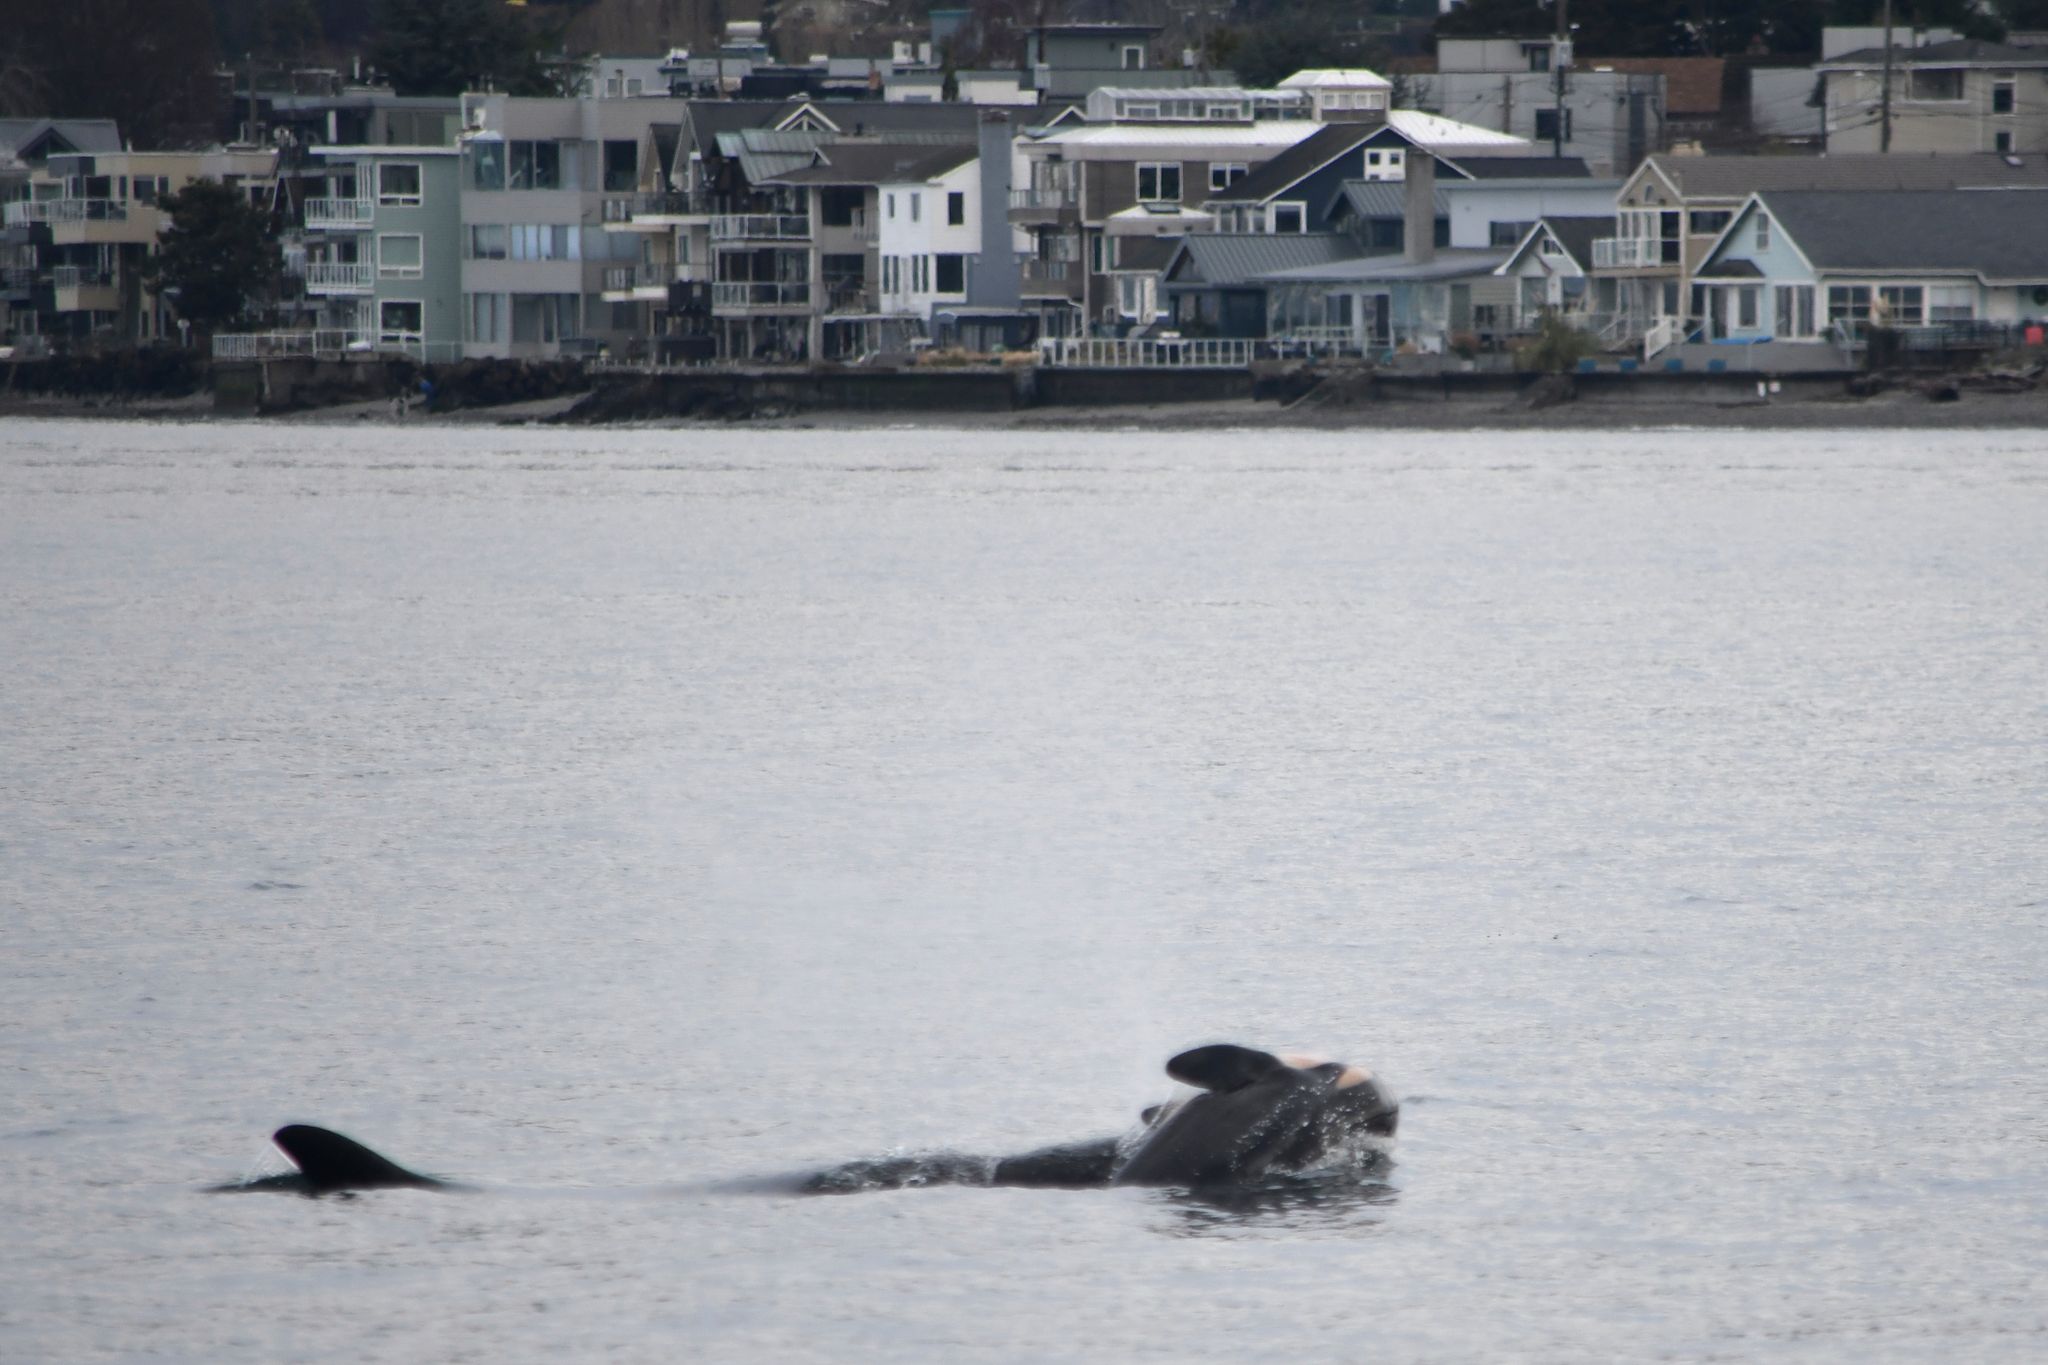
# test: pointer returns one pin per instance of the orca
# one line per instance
(329, 1163)
(1258, 1117)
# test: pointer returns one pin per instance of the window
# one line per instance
(916, 206)
(956, 208)
(486, 242)
(1746, 297)
(950, 274)
(1905, 305)
(543, 318)
(1708, 222)
(889, 207)
(1849, 307)
(1935, 85)
(486, 165)
(621, 165)
(1537, 55)
(398, 255)
(1388, 234)
(400, 321)
(1134, 57)
(1290, 217)
(1547, 128)
(1763, 232)
(398, 183)
(540, 166)
(1159, 182)
(487, 317)
(888, 274)
(1951, 303)
(2001, 95)
(1224, 174)
(1386, 165)
(1792, 307)
(921, 273)
(545, 242)
(2001, 142)
(1550, 247)
(1506, 234)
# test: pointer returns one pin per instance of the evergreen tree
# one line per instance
(217, 255)
(444, 47)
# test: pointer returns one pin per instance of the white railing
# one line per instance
(340, 213)
(1627, 253)
(65, 211)
(655, 275)
(339, 277)
(273, 345)
(1662, 336)
(761, 227)
(1185, 353)
(761, 294)
(79, 277)
(1044, 197)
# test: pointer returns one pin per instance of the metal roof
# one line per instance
(1446, 264)
(1225, 258)
(1384, 198)
(878, 163)
(1139, 137)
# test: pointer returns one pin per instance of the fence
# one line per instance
(1186, 353)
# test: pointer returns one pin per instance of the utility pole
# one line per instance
(1560, 58)
(1884, 99)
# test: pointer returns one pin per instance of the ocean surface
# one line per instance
(624, 821)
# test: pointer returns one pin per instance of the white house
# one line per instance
(929, 228)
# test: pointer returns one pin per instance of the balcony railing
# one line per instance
(66, 211)
(1046, 272)
(761, 294)
(1044, 197)
(273, 345)
(340, 213)
(1628, 253)
(761, 227)
(657, 275)
(848, 296)
(653, 204)
(79, 277)
(339, 277)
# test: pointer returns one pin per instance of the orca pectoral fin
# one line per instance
(330, 1161)
(1223, 1066)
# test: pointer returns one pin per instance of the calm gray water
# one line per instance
(617, 818)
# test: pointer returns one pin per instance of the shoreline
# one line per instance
(1894, 409)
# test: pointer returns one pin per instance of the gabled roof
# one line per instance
(1995, 234)
(1337, 78)
(1959, 52)
(22, 139)
(1575, 235)
(872, 117)
(1735, 177)
(1297, 163)
(1227, 258)
(665, 136)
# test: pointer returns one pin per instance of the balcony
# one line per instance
(79, 277)
(1051, 279)
(340, 277)
(848, 297)
(655, 209)
(1633, 253)
(761, 227)
(624, 283)
(66, 211)
(345, 214)
(761, 296)
(1045, 204)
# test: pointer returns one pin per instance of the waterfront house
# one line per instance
(1672, 208)
(383, 248)
(92, 218)
(1213, 284)
(1822, 267)
(1550, 268)
(26, 146)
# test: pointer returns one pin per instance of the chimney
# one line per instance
(1419, 205)
(992, 280)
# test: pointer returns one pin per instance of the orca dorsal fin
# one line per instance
(330, 1161)
(1223, 1066)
